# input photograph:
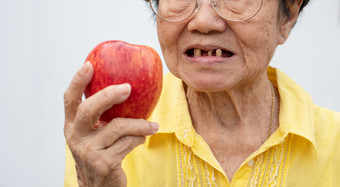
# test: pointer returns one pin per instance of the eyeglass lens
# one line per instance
(179, 10)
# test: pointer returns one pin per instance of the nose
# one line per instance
(206, 20)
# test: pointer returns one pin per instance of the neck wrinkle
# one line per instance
(231, 108)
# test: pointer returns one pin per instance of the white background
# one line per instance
(43, 43)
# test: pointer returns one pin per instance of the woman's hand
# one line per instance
(98, 152)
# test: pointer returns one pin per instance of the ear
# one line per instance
(287, 22)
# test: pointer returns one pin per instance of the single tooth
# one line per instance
(197, 53)
(209, 53)
(218, 52)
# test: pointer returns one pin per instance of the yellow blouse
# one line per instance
(303, 151)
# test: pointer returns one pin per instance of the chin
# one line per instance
(210, 81)
(207, 85)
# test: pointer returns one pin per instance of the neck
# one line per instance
(234, 108)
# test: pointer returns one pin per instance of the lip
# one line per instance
(207, 60)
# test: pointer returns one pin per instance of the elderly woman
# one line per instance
(224, 117)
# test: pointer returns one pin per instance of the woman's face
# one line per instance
(241, 51)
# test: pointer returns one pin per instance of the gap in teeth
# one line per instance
(215, 52)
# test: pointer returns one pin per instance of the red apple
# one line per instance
(117, 62)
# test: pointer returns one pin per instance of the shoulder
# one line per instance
(327, 140)
(326, 122)
(326, 114)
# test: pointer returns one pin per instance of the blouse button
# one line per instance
(250, 163)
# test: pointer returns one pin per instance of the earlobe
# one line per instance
(286, 26)
(287, 22)
(282, 40)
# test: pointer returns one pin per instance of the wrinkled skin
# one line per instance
(253, 43)
(98, 152)
(229, 97)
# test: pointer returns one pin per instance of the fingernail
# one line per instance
(123, 89)
(154, 127)
(85, 68)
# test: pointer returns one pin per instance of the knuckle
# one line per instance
(125, 142)
(101, 166)
(70, 138)
(67, 133)
(67, 98)
(83, 152)
(113, 161)
(106, 95)
(119, 123)
(84, 111)
(70, 101)
(145, 125)
(117, 127)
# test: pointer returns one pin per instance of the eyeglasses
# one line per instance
(180, 10)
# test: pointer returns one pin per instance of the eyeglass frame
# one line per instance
(198, 5)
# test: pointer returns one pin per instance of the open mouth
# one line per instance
(194, 52)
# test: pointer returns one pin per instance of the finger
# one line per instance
(109, 160)
(74, 93)
(90, 110)
(120, 127)
(117, 152)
